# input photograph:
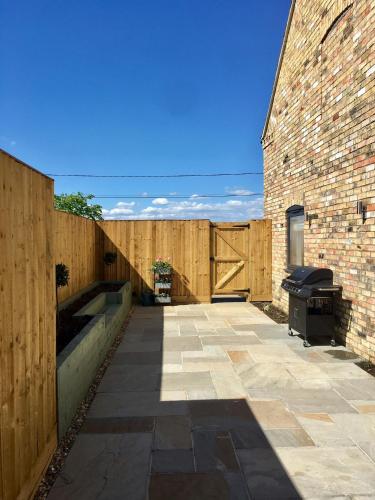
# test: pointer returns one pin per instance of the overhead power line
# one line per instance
(223, 174)
(190, 196)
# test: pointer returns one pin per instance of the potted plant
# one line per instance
(147, 297)
(162, 280)
(163, 298)
(109, 258)
(160, 267)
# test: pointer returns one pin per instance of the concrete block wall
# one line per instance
(319, 152)
(78, 363)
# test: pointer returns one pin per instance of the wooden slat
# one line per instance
(226, 259)
(230, 274)
(78, 245)
(261, 260)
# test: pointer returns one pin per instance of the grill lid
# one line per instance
(306, 275)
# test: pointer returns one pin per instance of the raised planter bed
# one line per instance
(70, 322)
(79, 361)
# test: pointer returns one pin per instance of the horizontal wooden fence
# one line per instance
(27, 328)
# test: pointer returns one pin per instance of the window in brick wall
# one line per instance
(295, 219)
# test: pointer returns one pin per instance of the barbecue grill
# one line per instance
(311, 302)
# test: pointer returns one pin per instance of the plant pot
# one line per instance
(160, 284)
(162, 273)
(147, 299)
(162, 300)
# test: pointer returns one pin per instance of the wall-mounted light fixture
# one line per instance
(365, 209)
(310, 217)
(361, 210)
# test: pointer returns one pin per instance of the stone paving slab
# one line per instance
(216, 401)
(193, 486)
(174, 460)
(214, 450)
(102, 466)
(316, 470)
(186, 381)
(134, 404)
(265, 475)
(172, 433)
(118, 425)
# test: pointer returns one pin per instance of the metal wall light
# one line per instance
(310, 217)
(361, 210)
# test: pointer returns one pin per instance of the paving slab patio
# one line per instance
(216, 401)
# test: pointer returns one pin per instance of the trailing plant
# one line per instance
(62, 279)
(62, 275)
(160, 266)
(110, 258)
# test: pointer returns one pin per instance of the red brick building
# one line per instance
(319, 157)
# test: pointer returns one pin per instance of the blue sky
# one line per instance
(142, 87)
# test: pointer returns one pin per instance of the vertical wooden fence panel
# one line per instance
(260, 252)
(78, 245)
(139, 243)
(27, 328)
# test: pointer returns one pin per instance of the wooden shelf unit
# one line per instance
(162, 290)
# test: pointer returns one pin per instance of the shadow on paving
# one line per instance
(149, 434)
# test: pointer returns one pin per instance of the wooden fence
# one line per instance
(193, 250)
(77, 244)
(27, 328)
(138, 243)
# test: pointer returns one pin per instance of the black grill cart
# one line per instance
(311, 302)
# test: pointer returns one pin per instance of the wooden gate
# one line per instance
(230, 258)
(241, 259)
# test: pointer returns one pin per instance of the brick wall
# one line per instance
(319, 151)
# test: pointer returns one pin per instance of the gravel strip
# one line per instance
(272, 312)
(65, 445)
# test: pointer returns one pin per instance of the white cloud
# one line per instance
(149, 210)
(121, 208)
(119, 211)
(230, 210)
(235, 203)
(160, 201)
(239, 191)
(125, 204)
